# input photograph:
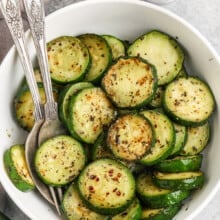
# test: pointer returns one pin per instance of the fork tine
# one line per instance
(60, 194)
(35, 15)
(55, 199)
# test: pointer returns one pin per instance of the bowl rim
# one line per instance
(158, 8)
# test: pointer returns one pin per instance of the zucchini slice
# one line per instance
(183, 180)
(117, 46)
(74, 208)
(101, 55)
(156, 102)
(101, 150)
(107, 186)
(68, 59)
(181, 137)
(162, 51)
(133, 212)
(164, 137)
(89, 112)
(64, 98)
(16, 167)
(24, 106)
(182, 73)
(160, 214)
(130, 82)
(59, 160)
(189, 101)
(157, 197)
(130, 137)
(197, 139)
(180, 164)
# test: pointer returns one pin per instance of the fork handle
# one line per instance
(12, 15)
(36, 15)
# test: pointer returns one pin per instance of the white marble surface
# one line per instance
(202, 14)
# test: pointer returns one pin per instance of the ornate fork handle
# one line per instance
(12, 15)
(35, 14)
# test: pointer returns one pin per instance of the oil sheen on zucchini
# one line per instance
(181, 132)
(101, 55)
(16, 167)
(68, 59)
(117, 46)
(164, 137)
(74, 208)
(162, 51)
(59, 160)
(64, 98)
(157, 197)
(197, 139)
(133, 212)
(189, 101)
(160, 214)
(130, 82)
(130, 137)
(24, 106)
(183, 180)
(89, 112)
(180, 164)
(107, 186)
(100, 150)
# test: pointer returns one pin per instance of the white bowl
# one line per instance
(126, 19)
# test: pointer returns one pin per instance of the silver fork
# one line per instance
(11, 12)
(44, 117)
(52, 125)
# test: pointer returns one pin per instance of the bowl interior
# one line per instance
(126, 19)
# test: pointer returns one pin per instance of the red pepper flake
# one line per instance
(91, 189)
(118, 193)
(110, 172)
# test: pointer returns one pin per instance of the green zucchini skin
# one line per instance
(156, 102)
(133, 212)
(189, 101)
(101, 56)
(64, 99)
(160, 214)
(157, 197)
(68, 59)
(16, 167)
(183, 180)
(162, 51)
(182, 73)
(59, 160)
(100, 150)
(181, 138)
(197, 139)
(74, 208)
(163, 143)
(90, 107)
(24, 106)
(180, 164)
(117, 46)
(130, 82)
(106, 186)
(126, 144)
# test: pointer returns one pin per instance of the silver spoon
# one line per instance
(52, 125)
(12, 15)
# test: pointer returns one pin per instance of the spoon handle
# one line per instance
(12, 15)
(36, 16)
